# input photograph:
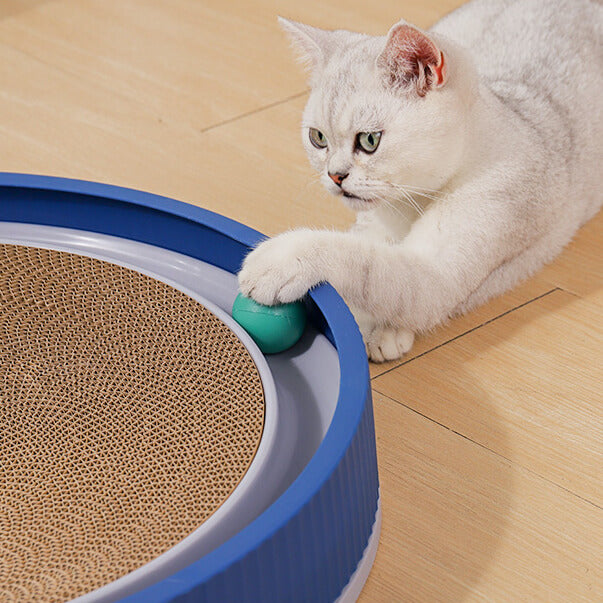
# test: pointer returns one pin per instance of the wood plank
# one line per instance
(527, 386)
(462, 523)
(579, 269)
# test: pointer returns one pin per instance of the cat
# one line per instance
(471, 153)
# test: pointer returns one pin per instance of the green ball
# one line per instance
(273, 328)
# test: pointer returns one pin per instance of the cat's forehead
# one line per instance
(347, 95)
(347, 104)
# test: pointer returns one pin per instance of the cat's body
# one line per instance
(492, 125)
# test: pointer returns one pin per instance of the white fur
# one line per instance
(474, 186)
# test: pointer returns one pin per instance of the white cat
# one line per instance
(471, 153)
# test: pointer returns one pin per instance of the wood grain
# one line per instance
(538, 370)
(462, 523)
(462, 325)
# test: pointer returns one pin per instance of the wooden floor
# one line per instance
(489, 432)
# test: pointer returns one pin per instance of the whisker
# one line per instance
(412, 202)
(407, 200)
(428, 196)
(417, 191)
(380, 189)
(423, 192)
(422, 189)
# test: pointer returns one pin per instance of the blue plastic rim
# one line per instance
(307, 544)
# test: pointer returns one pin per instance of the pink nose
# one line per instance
(337, 178)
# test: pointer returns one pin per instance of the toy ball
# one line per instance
(273, 328)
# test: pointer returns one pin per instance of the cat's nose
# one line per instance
(337, 178)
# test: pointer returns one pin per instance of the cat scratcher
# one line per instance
(149, 451)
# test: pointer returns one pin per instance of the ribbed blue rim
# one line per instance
(134, 214)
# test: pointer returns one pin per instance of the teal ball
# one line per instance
(273, 328)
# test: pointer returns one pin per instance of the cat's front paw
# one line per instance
(388, 343)
(280, 270)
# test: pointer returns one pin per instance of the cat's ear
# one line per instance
(411, 58)
(310, 43)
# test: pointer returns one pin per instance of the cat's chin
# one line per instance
(357, 203)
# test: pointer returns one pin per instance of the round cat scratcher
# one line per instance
(149, 451)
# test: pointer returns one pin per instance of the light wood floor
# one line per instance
(489, 432)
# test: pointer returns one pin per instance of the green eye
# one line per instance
(317, 138)
(368, 141)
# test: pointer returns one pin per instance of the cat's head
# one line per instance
(385, 116)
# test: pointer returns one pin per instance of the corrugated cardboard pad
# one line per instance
(128, 414)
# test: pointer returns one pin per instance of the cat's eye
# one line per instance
(317, 138)
(368, 141)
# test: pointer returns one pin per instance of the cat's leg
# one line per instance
(382, 342)
(285, 268)
(399, 288)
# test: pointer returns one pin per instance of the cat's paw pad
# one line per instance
(388, 343)
(278, 271)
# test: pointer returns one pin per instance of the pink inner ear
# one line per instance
(408, 51)
(413, 43)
